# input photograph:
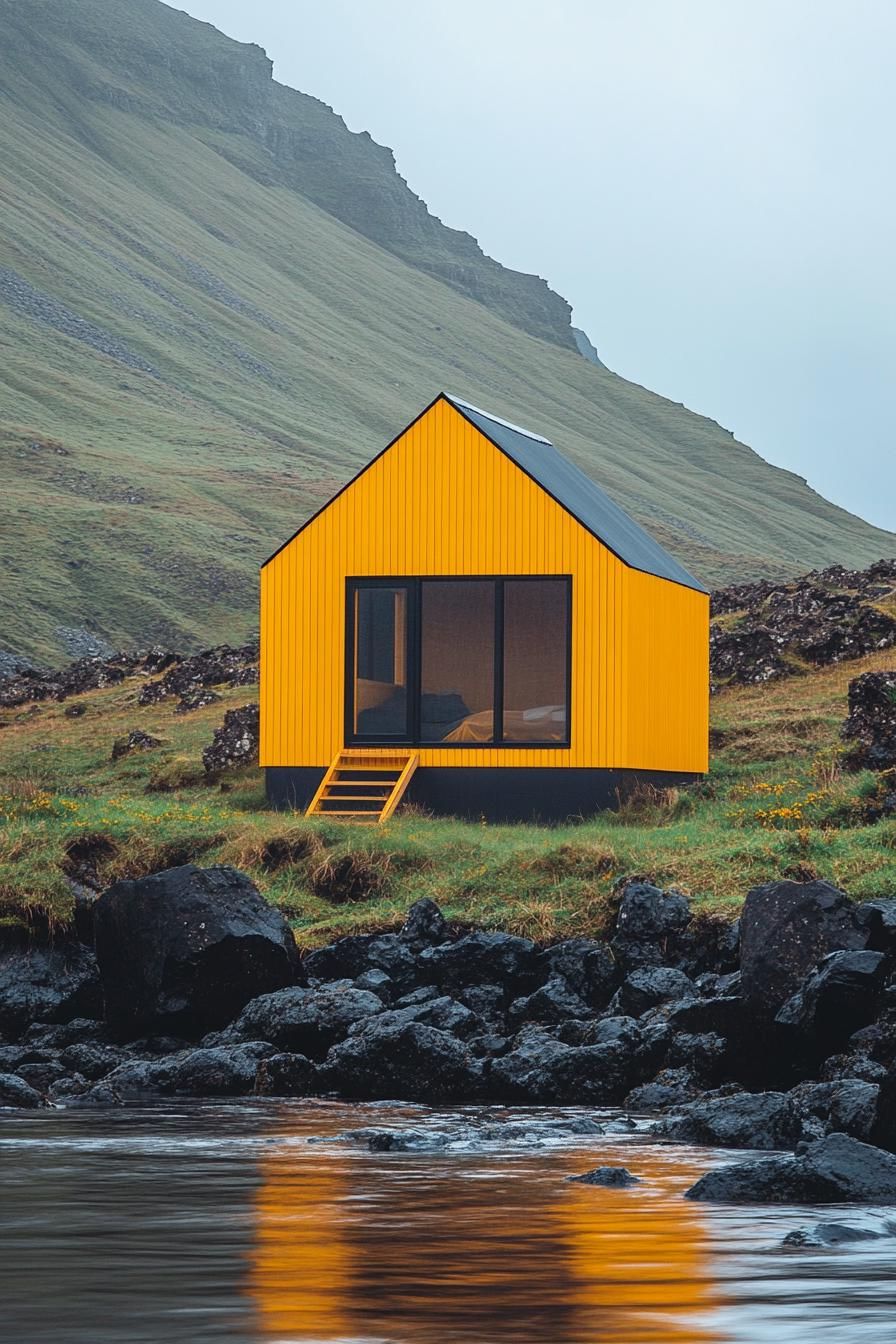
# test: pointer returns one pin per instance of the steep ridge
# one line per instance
(199, 344)
(162, 64)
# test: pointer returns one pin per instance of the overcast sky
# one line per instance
(710, 183)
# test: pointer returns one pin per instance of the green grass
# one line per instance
(140, 506)
(775, 802)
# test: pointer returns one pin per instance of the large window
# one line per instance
(459, 661)
(381, 707)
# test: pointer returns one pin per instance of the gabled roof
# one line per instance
(567, 485)
(579, 495)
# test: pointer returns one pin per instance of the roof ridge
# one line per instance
(489, 415)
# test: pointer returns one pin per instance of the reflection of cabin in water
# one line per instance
(473, 620)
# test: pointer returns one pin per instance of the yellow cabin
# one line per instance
(473, 624)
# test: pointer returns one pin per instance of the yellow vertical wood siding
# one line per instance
(443, 500)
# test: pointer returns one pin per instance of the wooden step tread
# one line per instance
(368, 769)
(377, 778)
(352, 798)
(332, 812)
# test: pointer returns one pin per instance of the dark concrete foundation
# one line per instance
(511, 793)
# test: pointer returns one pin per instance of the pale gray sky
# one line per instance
(710, 183)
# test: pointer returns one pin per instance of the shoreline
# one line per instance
(772, 1035)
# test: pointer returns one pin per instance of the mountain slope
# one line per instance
(198, 345)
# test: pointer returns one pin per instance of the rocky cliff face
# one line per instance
(162, 63)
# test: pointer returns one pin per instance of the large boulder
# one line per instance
(870, 727)
(407, 1061)
(839, 996)
(134, 1080)
(306, 1021)
(835, 1170)
(650, 926)
(786, 929)
(747, 1120)
(183, 950)
(879, 917)
(48, 985)
(670, 1088)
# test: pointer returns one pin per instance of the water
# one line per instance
(223, 1222)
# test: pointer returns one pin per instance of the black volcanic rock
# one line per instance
(745, 657)
(306, 1020)
(870, 727)
(835, 1170)
(481, 958)
(221, 666)
(745, 1120)
(136, 740)
(185, 949)
(650, 926)
(222, 1071)
(235, 743)
(16, 1093)
(822, 618)
(650, 986)
(285, 1075)
(786, 929)
(424, 925)
(588, 967)
(613, 1177)
(839, 996)
(48, 985)
(407, 1060)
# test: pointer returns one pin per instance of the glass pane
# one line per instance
(457, 686)
(381, 700)
(536, 642)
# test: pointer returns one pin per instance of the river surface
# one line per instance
(257, 1223)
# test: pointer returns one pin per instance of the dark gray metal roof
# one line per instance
(579, 495)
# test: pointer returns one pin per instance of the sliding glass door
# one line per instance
(459, 662)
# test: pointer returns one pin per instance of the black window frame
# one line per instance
(414, 588)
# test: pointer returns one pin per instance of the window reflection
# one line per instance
(381, 700)
(457, 665)
(360, 1250)
(536, 642)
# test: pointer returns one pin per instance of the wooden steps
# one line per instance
(370, 780)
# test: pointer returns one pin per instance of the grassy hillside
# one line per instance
(195, 350)
(775, 802)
